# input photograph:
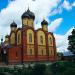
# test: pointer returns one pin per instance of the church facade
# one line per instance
(27, 44)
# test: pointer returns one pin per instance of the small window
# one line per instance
(27, 22)
(50, 40)
(51, 52)
(18, 38)
(41, 52)
(32, 23)
(41, 39)
(30, 51)
(30, 37)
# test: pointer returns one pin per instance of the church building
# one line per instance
(27, 44)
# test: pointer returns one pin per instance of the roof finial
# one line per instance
(43, 18)
(25, 9)
(28, 8)
(13, 21)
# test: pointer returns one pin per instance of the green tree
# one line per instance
(71, 39)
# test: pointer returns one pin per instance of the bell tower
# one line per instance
(13, 26)
(44, 24)
(25, 17)
(28, 18)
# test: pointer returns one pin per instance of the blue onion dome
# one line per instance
(28, 14)
(31, 14)
(25, 15)
(44, 22)
(13, 24)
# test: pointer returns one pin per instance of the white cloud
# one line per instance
(15, 9)
(54, 24)
(38, 25)
(73, 4)
(42, 9)
(62, 41)
(56, 11)
(67, 5)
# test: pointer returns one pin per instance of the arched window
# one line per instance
(30, 37)
(27, 22)
(41, 52)
(18, 38)
(30, 51)
(51, 51)
(50, 40)
(32, 23)
(41, 39)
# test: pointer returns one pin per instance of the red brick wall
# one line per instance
(14, 55)
(12, 58)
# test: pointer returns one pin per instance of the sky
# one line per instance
(59, 14)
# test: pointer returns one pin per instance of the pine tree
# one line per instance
(71, 39)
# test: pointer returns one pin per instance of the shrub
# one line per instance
(39, 69)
